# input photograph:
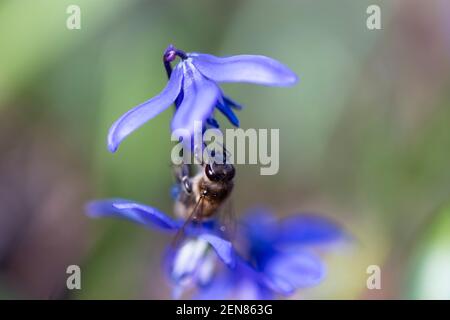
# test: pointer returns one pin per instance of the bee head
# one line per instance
(219, 172)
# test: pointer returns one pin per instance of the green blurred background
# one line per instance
(365, 137)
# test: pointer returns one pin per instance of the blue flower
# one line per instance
(276, 257)
(192, 262)
(193, 87)
(191, 265)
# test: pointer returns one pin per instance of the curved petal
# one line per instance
(260, 227)
(137, 116)
(192, 263)
(213, 122)
(244, 68)
(250, 284)
(133, 211)
(219, 288)
(242, 283)
(188, 258)
(200, 96)
(231, 103)
(223, 248)
(228, 112)
(287, 272)
(308, 229)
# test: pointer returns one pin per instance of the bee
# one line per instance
(202, 195)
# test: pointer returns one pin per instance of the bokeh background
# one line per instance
(365, 137)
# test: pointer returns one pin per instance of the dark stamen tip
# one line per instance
(169, 56)
(171, 53)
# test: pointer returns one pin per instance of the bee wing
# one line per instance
(191, 218)
(227, 219)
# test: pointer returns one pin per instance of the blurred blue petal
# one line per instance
(242, 283)
(259, 227)
(307, 229)
(220, 288)
(275, 270)
(137, 116)
(244, 68)
(136, 212)
(287, 272)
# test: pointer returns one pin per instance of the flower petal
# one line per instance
(287, 272)
(133, 211)
(219, 288)
(137, 116)
(244, 68)
(223, 248)
(212, 122)
(308, 229)
(242, 283)
(228, 112)
(200, 96)
(231, 103)
(260, 227)
(187, 259)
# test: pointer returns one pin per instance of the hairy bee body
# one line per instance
(203, 194)
(207, 195)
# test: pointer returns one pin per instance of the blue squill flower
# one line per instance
(191, 265)
(276, 257)
(192, 262)
(193, 87)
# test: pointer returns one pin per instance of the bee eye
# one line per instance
(187, 185)
(219, 172)
(211, 174)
